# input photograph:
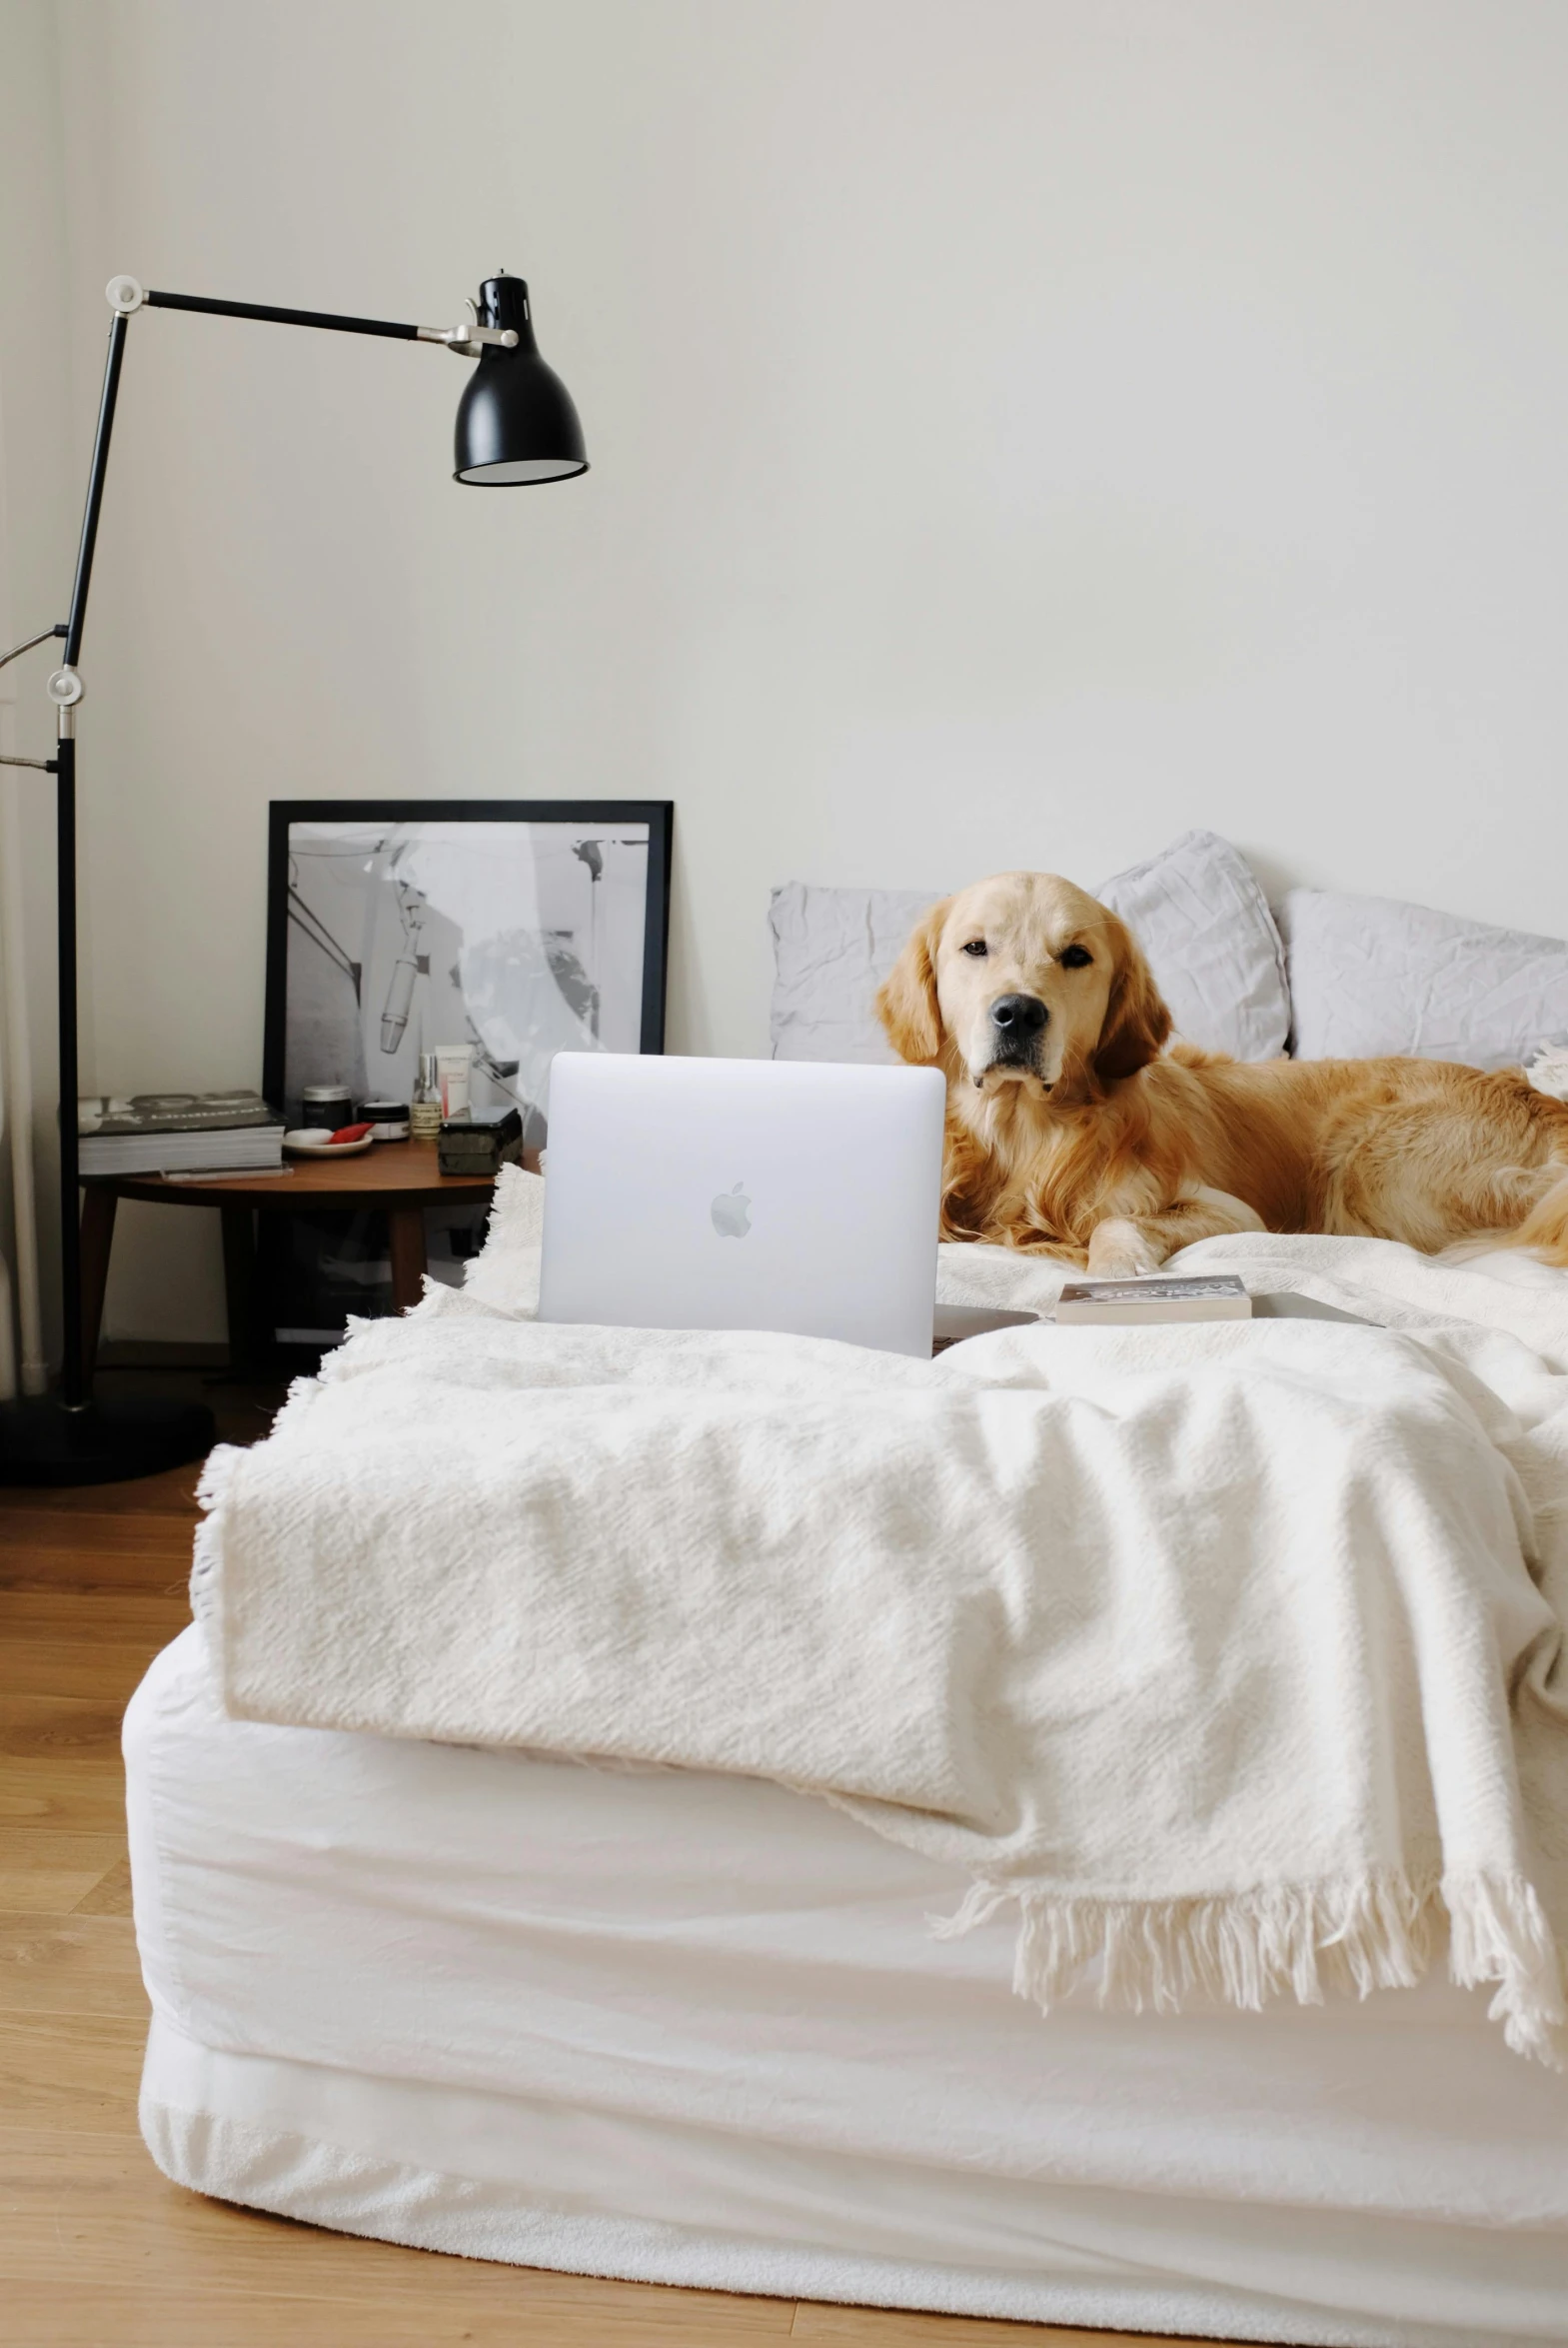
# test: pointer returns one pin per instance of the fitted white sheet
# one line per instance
(695, 2029)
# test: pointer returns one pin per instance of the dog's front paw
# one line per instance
(1118, 1250)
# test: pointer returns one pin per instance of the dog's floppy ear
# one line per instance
(906, 999)
(1137, 1021)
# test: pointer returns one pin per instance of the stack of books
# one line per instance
(1126, 1303)
(179, 1133)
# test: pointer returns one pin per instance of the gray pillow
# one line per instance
(1370, 975)
(1197, 910)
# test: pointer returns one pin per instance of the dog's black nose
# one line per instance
(1019, 1015)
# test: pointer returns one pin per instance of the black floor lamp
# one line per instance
(516, 425)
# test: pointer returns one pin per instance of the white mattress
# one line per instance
(695, 2029)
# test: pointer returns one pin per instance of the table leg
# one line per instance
(407, 1229)
(249, 1344)
(98, 1210)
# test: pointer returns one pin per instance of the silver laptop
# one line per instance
(744, 1194)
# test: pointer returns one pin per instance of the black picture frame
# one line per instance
(282, 814)
(315, 1271)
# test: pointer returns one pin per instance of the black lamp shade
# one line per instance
(516, 421)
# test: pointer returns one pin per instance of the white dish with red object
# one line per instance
(317, 1142)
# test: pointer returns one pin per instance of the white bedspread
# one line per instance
(1230, 1653)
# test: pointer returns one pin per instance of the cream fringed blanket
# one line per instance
(1207, 1647)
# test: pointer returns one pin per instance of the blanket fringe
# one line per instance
(212, 1491)
(1379, 1931)
(212, 1497)
(1499, 1932)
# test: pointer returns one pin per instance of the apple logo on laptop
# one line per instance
(731, 1212)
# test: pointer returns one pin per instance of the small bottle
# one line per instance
(424, 1109)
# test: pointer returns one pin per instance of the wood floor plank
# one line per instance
(73, 1964)
(92, 2317)
(129, 1616)
(51, 1872)
(63, 1797)
(57, 1727)
(42, 2167)
(106, 1669)
(110, 1896)
(22, 1847)
(33, 1529)
(55, 1891)
(37, 1536)
(77, 2071)
(35, 1525)
(172, 1493)
(40, 1550)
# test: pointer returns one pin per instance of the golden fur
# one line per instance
(1090, 1140)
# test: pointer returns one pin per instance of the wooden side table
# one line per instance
(400, 1178)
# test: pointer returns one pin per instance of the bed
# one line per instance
(689, 2027)
(692, 2029)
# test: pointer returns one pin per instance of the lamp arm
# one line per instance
(264, 311)
(42, 636)
(126, 297)
(90, 512)
(468, 341)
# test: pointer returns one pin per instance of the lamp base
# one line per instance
(109, 1441)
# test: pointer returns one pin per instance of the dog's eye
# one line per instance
(976, 947)
(1075, 958)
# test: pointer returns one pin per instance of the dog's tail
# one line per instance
(1542, 1191)
(1545, 1228)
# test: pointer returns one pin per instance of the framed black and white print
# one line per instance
(519, 927)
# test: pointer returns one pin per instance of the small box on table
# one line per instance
(480, 1142)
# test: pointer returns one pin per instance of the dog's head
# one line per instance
(1024, 981)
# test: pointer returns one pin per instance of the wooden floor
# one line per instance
(97, 2250)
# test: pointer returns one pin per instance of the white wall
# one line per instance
(1021, 430)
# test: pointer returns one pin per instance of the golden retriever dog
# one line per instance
(1072, 1129)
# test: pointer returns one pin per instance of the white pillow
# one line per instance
(1200, 914)
(833, 948)
(1197, 910)
(1370, 975)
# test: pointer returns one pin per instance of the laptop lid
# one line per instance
(744, 1194)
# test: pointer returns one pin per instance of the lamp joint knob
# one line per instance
(470, 342)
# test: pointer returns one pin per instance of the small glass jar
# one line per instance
(327, 1105)
(389, 1121)
(424, 1109)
